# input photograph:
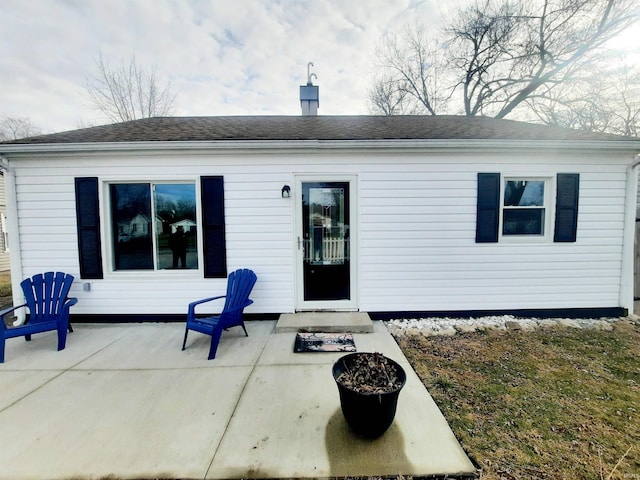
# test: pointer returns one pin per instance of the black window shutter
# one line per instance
(567, 193)
(215, 257)
(488, 208)
(88, 221)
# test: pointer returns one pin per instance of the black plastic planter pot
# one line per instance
(368, 414)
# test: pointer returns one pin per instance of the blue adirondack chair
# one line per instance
(239, 286)
(47, 300)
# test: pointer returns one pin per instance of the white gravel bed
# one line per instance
(451, 326)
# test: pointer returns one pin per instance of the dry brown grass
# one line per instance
(5, 284)
(551, 404)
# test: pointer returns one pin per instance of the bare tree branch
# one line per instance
(129, 92)
(12, 128)
(509, 49)
(508, 58)
(411, 67)
(607, 100)
(385, 98)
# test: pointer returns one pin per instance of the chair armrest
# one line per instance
(9, 310)
(69, 302)
(192, 305)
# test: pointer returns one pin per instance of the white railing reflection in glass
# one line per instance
(327, 251)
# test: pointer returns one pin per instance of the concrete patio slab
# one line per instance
(123, 401)
(125, 424)
(314, 440)
(16, 385)
(146, 346)
(297, 391)
(41, 352)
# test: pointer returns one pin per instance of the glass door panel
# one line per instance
(325, 227)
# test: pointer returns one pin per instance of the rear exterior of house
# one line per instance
(381, 214)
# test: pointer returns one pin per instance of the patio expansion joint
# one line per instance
(158, 369)
(60, 371)
(39, 387)
(235, 408)
(100, 350)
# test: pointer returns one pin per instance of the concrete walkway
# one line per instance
(124, 401)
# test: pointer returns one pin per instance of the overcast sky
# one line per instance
(222, 57)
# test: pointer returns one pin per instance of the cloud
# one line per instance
(240, 57)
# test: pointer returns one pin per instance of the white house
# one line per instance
(134, 227)
(187, 224)
(375, 214)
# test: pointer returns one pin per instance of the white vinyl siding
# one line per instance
(638, 200)
(418, 250)
(258, 234)
(4, 246)
(416, 223)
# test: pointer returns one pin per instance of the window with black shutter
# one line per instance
(521, 207)
(152, 225)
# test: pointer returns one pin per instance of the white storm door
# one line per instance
(326, 243)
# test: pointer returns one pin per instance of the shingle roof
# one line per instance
(317, 128)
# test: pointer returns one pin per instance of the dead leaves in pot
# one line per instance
(370, 373)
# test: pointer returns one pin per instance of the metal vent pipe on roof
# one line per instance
(309, 95)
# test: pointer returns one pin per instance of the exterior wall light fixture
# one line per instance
(286, 191)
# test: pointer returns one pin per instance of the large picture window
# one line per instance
(154, 226)
(173, 205)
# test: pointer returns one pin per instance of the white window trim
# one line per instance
(549, 209)
(107, 229)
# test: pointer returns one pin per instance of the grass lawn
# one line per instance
(556, 403)
(5, 284)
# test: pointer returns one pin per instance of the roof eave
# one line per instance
(402, 144)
